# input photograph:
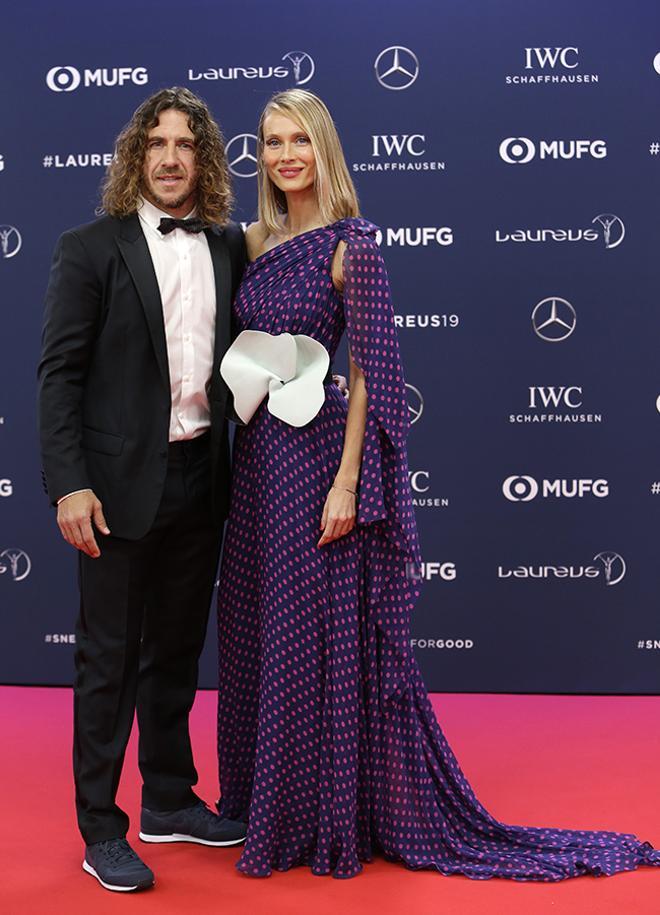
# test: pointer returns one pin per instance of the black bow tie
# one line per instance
(196, 225)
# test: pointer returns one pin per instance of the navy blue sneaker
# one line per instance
(192, 824)
(116, 866)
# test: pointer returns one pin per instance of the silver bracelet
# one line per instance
(353, 492)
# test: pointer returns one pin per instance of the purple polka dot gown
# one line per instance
(328, 744)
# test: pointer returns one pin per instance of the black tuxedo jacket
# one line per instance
(104, 388)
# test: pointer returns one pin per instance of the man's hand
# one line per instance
(74, 518)
(342, 384)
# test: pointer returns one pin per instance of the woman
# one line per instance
(328, 743)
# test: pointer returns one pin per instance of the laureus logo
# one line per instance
(614, 566)
(302, 66)
(10, 241)
(614, 230)
(612, 570)
(15, 564)
(299, 64)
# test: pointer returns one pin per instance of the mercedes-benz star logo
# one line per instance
(396, 68)
(10, 241)
(242, 155)
(415, 403)
(303, 66)
(554, 319)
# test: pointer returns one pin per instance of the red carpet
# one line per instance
(583, 762)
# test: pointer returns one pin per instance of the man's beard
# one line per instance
(172, 204)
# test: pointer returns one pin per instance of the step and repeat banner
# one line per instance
(510, 153)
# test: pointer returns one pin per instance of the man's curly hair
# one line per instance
(122, 185)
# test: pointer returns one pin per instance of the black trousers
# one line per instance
(144, 608)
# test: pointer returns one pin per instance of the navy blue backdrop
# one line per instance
(510, 153)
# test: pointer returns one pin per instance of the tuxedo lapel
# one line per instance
(222, 272)
(135, 252)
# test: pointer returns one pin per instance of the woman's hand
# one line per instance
(342, 384)
(339, 515)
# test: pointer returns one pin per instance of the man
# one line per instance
(136, 457)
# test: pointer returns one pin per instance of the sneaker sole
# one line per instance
(179, 837)
(110, 886)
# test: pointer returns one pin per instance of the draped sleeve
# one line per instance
(385, 507)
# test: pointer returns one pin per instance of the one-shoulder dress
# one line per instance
(328, 744)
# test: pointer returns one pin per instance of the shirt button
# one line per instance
(186, 338)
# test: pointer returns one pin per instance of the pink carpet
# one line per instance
(582, 762)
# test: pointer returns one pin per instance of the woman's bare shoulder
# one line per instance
(255, 237)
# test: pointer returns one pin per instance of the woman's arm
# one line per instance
(340, 510)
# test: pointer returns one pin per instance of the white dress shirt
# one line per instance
(184, 271)
(186, 281)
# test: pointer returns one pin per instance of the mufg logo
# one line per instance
(521, 150)
(67, 79)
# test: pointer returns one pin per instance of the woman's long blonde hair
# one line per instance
(334, 188)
